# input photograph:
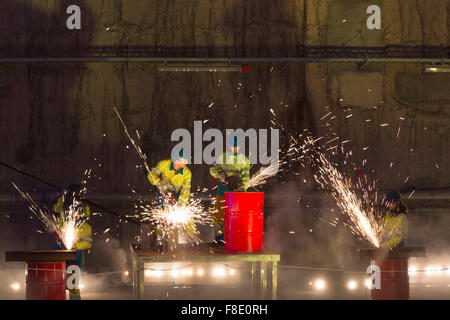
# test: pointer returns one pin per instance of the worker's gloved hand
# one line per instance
(162, 186)
(170, 198)
(233, 183)
(222, 177)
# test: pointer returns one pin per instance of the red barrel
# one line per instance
(46, 281)
(394, 280)
(244, 221)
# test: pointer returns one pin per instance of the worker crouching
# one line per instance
(172, 178)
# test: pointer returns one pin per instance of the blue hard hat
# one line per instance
(180, 154)
(233, 141)
(392, 196)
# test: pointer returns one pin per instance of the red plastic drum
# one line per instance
(244, 221)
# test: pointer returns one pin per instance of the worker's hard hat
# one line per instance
(73, 187)
(178, 155)
(233, 141)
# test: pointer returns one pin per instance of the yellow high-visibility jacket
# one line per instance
(233, 165)
(177, 182)
(395, 228)
(84, 235)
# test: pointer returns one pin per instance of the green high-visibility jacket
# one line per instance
(233, 165)
(395, 228)
(177, 182)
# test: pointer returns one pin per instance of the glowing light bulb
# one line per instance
(200, 272)
(15, 286)
(320, 284)
(351, 285)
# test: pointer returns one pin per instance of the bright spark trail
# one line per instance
(64, 225)
(138, 149)
(263, 175)
(362, 222)
(176, 218)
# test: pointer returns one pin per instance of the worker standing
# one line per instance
(84, 235)
(395, 222)
(232, 173)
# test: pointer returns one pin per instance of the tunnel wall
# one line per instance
(58, 118)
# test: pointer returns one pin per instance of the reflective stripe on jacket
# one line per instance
(84, 236)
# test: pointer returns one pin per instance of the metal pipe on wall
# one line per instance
(219, 60)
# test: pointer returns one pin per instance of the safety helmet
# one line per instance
(392, 196)
(180, 155)
(74, 188)
(233, 141)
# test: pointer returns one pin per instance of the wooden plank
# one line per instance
(41, 256)
(398, 253)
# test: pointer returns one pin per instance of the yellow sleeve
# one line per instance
(58, 206)
(84, 241)
(153, 176)
(245, 174)
(215, 169)
(186, 189)
(86, 211)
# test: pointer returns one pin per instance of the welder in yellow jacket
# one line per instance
(232, 173)
(395, 222)
(84, 234)
(173, 178)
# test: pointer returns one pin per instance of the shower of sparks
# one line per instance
(172, 219)
(361, 221)
(65, 225)
(141, 154)
(264, 174)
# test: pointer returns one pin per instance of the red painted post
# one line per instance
(394, 280)
(46, 281)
